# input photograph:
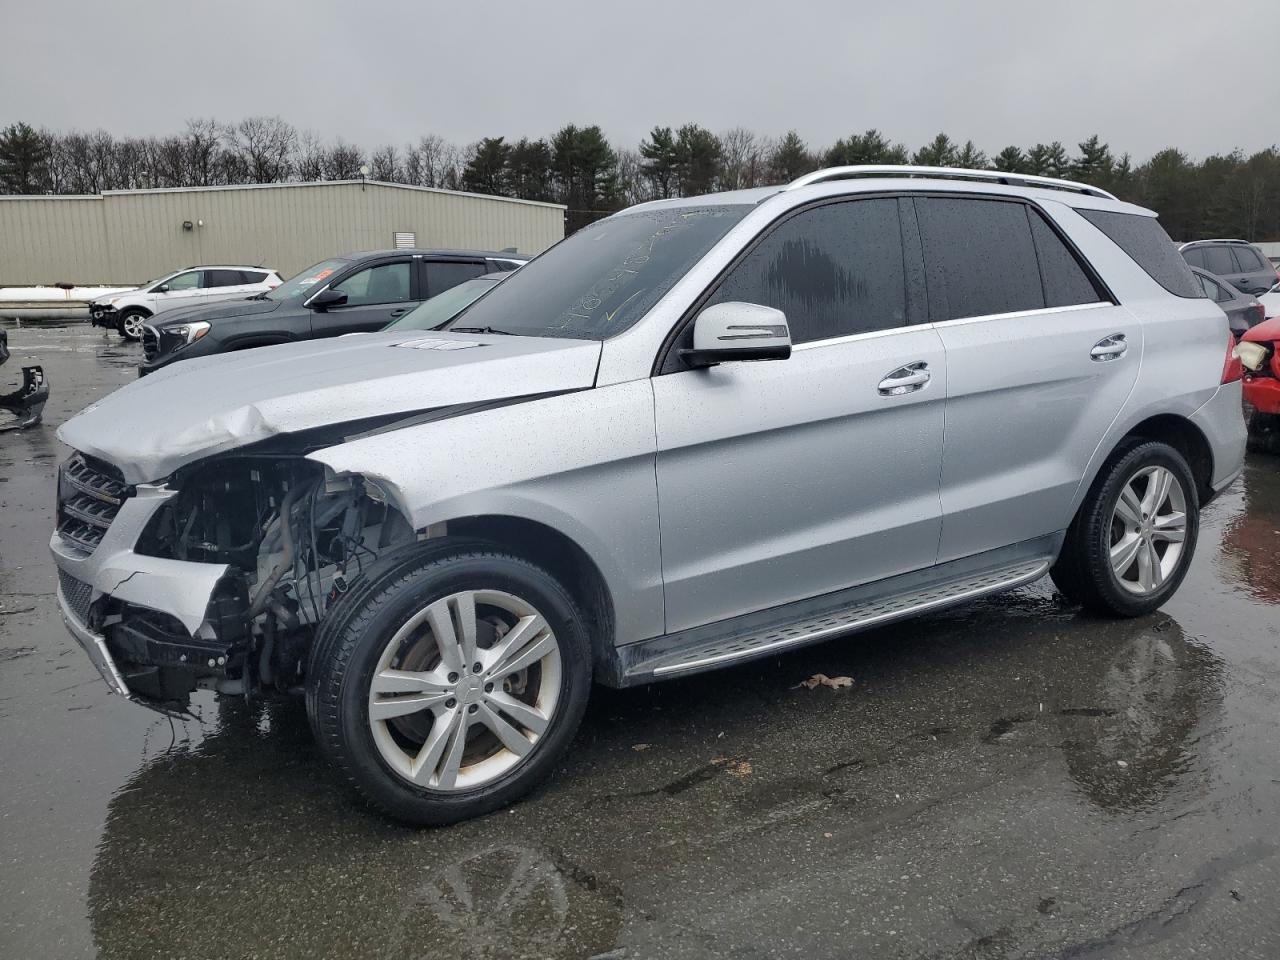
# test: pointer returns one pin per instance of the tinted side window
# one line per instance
(1145, 241)
(441, 275)
(222, 278)
(385, 283)
(1195, 257)
(979, 257)
(252, 276)
(834, 270)
(1248, 259)
(1218, 260)
(1065, 280)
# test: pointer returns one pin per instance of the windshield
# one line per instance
(598, 282)
(156, 282)
(443, 307)
(303, 282)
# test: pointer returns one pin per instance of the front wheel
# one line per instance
(450, 685)
(1132, 539)
(131, 323)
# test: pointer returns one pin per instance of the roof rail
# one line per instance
(945, 173)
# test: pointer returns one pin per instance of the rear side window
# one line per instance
(1195, 257)
(979, 257)
(834, 270)
(443, 274)
(1218, 260)
(1066, 283)
(1248, 259)
(252, 276)
(1213, 290)
(222, 278)
(1145, 241)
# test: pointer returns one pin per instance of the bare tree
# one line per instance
(202, 145)
(742, 160)
(264, 147)
(385, 165)
(633, 186)
(342, 161)
(309, 157)
(436, 163)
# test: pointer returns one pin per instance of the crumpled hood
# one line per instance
(216, 311)
(190, 410)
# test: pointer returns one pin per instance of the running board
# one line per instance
(746, 644)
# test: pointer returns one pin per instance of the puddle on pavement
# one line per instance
(1080, 765)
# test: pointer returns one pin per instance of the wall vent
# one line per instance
(405, 241)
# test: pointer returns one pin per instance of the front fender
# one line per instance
(581, 463)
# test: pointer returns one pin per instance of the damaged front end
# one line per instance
(1259, 355)
(216, 578)
(22, 407)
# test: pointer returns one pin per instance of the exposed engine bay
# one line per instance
(24, 406)
(294, 538)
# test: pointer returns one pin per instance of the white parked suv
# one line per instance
(698, 432)
(127, 311)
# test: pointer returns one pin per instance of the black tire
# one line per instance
(1083, 570)
(133, 313)
(355, 634)
(1264, 432)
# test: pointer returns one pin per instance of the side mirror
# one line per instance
(163, 288)
(325, 299)
(738, 331)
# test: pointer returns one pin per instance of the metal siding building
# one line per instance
(130, 236)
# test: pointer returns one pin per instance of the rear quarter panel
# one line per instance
(1183, 351)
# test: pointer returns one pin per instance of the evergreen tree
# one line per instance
(486, 168)
(939, 152)
(790, 159)
(24, 160)
(698, 157)
(659, 159)
(864, 148)
(1011, 160)
(529, 170)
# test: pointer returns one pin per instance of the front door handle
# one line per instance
(1109, 348)
(400, 312)
(905, 380)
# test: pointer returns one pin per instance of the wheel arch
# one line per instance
(561, 556)
(1178, 432)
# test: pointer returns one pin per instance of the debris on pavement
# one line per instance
(822, 680)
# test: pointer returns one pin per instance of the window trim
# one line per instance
(1100, 286)
(662, 363)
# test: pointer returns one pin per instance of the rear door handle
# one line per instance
(906, 379)
(400, 312)
(1109, 348)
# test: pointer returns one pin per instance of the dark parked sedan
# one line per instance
(1242, 310)
(351, 294)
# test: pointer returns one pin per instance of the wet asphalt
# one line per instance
(1007, 779)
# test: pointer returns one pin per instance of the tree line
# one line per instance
(1228, 194)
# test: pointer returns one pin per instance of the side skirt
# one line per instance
(777, 629)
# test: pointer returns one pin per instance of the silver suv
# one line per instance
(695, 433)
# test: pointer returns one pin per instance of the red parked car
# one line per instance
(1259, 353)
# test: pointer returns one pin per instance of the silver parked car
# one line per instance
(697, 432)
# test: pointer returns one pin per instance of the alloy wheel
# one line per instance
(132, 325)
(1148, 529)
(464, 690)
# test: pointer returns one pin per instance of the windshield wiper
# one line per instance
(503, 333)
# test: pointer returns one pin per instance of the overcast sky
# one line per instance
(1143, 74)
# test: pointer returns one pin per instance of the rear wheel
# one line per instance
(131, 323)
(451, 684)
(1131, 542)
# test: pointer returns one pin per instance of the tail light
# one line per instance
(1232, 369)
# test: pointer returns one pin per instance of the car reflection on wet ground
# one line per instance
(1008, 779)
